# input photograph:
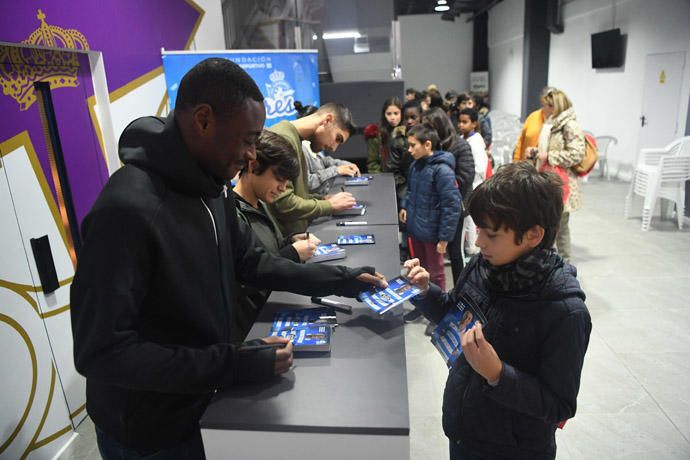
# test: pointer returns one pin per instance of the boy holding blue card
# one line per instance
(518, 373)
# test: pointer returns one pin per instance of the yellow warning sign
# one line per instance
(662, 77)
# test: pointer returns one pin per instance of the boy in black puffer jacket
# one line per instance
(519, 374)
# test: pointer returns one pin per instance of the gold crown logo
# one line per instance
(22, 67)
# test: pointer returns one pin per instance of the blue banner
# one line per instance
(283, 76)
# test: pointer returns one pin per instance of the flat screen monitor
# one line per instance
(607, 49)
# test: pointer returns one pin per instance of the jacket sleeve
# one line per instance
(434, 304)
(373, 155)
(447, 188)
(320, 176)
(289, 252)
(519, 153)
(573, 147)
(116, 268)
(487, 134)
(290, 206)
(258, 268)
(464, 168)
(551, 394)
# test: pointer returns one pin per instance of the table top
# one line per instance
(378, 197)
(359, 387)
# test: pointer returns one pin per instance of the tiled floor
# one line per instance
(634, 401)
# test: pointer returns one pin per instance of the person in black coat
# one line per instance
(163, 251)
(518, 375)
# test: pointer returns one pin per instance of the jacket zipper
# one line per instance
(213, 221)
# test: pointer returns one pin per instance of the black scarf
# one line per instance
(524, 273)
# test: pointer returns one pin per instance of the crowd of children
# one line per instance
(518, 372)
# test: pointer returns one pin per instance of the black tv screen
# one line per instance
(607, 49)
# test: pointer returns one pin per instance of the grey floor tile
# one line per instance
(608, 386)
(664, 376)
(640, 436)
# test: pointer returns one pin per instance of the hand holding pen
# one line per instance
(341, 201)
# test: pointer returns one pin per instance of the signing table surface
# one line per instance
(348, 403)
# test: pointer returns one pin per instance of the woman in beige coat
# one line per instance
(562, 145)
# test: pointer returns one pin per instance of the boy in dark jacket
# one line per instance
(261, 181)
(432, 205)
(519, 374)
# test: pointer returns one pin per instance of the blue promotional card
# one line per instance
(446, 336)
(382, 300)
(345, 240)
(307, 337)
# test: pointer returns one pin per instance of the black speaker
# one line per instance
(554, 16)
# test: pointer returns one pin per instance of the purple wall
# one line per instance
(129, 33)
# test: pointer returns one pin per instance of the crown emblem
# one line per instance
(277, 76)
(24, 66)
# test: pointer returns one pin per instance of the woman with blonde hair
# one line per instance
(561, 146)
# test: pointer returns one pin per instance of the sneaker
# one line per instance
(429, 328)
(412, 316)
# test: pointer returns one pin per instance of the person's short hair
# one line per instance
(463, 97)
(413, 104)
(304, 110)
(556, 99)
(518, 197)
(411, 91)
(436, 99)
(439, 120)
(218, 82)
(343, 116)
(423, 133)
(275, 152)
(479, 101)
(472, 113)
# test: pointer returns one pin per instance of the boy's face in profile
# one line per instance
(417, 149)
(466, 125)
(498, 247)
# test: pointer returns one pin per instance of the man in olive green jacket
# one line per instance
(326, 129)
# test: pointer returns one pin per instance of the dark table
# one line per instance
(349, 403)
(378, 197)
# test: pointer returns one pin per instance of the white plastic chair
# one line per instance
(603, 144)
(666, 180)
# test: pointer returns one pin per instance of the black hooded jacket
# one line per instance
(153, 297)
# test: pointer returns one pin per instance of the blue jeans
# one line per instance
(191, 448)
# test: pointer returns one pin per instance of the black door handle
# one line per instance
(45, 264)
(643, 119)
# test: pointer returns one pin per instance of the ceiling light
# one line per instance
(442, 2)
(440, 8)
(341, 34)
(314, 37)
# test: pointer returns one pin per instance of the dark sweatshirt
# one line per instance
(153, 297)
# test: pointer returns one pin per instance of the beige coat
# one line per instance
(566, 149)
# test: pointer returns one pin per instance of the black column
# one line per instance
(535, 73)
(480, 43)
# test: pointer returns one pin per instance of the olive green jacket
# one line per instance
(296, 207)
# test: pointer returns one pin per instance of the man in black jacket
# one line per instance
(163, 250)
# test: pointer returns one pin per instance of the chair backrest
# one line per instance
(674, 168)
(603, 144)
(684, 148)
(675, 147)
(651, 157)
